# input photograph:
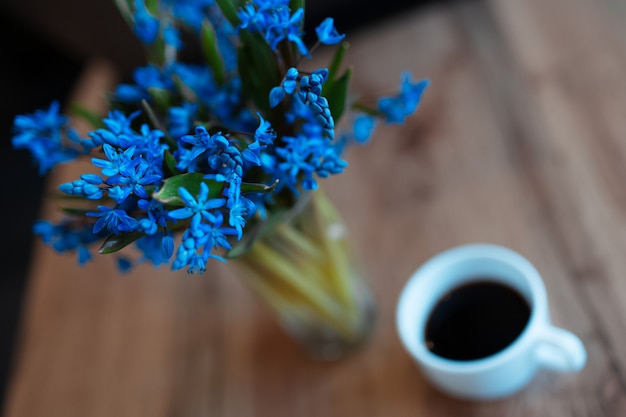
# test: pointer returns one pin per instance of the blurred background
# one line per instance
(45, 46)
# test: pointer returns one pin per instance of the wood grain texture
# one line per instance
(520, 141)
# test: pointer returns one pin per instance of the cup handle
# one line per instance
(560, 350)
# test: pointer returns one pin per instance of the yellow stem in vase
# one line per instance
(325, 227)
(297, 284)
(303, 269)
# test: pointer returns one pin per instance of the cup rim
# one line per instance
(404, 312)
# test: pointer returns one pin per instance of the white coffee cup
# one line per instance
(540, 345)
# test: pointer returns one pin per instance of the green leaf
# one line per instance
(297, 4)
(62, 196)
(153, 7)
(151, 115)
(168, 194)
(116, 242)
(91, 117)
(170, 162)
(335, 64)
(337, 95)
(249, 187)
(187, 93)
(156, 52)
(73, 211)
(258, 69)
(124, 6)
(208, 40)
(161, 98)
(156, 124)
(229, 9)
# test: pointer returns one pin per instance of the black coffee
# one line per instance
(476, 320)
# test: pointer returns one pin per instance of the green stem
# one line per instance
(366, 109)
(154, 121)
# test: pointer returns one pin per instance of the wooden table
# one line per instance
(520, 141)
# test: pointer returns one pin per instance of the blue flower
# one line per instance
(157, 248)
(167, 246)
(133, 177)
(310, 93)
(222, 101)
(42, 134)
(128, 93)
(327, 34)
(131, 156)
(310, 152)
(198, 241)
(152, 76)
(149, 76)
(277, 94)
(149, 145)
(255, 14)
(274, 20)
(200, 207)
(192, 12)
(264, 134)
(202, 142)
(67, 236)
(288, 86)
(124, 265)
(298, 111)
(283, 25)
(205, 230)
(249, 17)
(404, 104)
(216, 236)
(363, 127)
(172, 37)
(226, 34)
(239, 208)
(119, 194)
(239, 213)
(146, 26)
(186, 251)
(321, 113)
(295, 161)
(118, 123)
(222, 158)
(117, 161)
(124, 148)
(157, 216)
(226, 162)
(179, 119)
(330, 163)
(118, 131)
(290, 80)
(86, 187)
(112, 220)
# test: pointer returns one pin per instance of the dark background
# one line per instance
(45, 45)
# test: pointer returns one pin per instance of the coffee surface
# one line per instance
(476, 320)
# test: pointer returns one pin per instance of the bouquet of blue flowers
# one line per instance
(195, 160)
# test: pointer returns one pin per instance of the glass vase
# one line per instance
(304, 271)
